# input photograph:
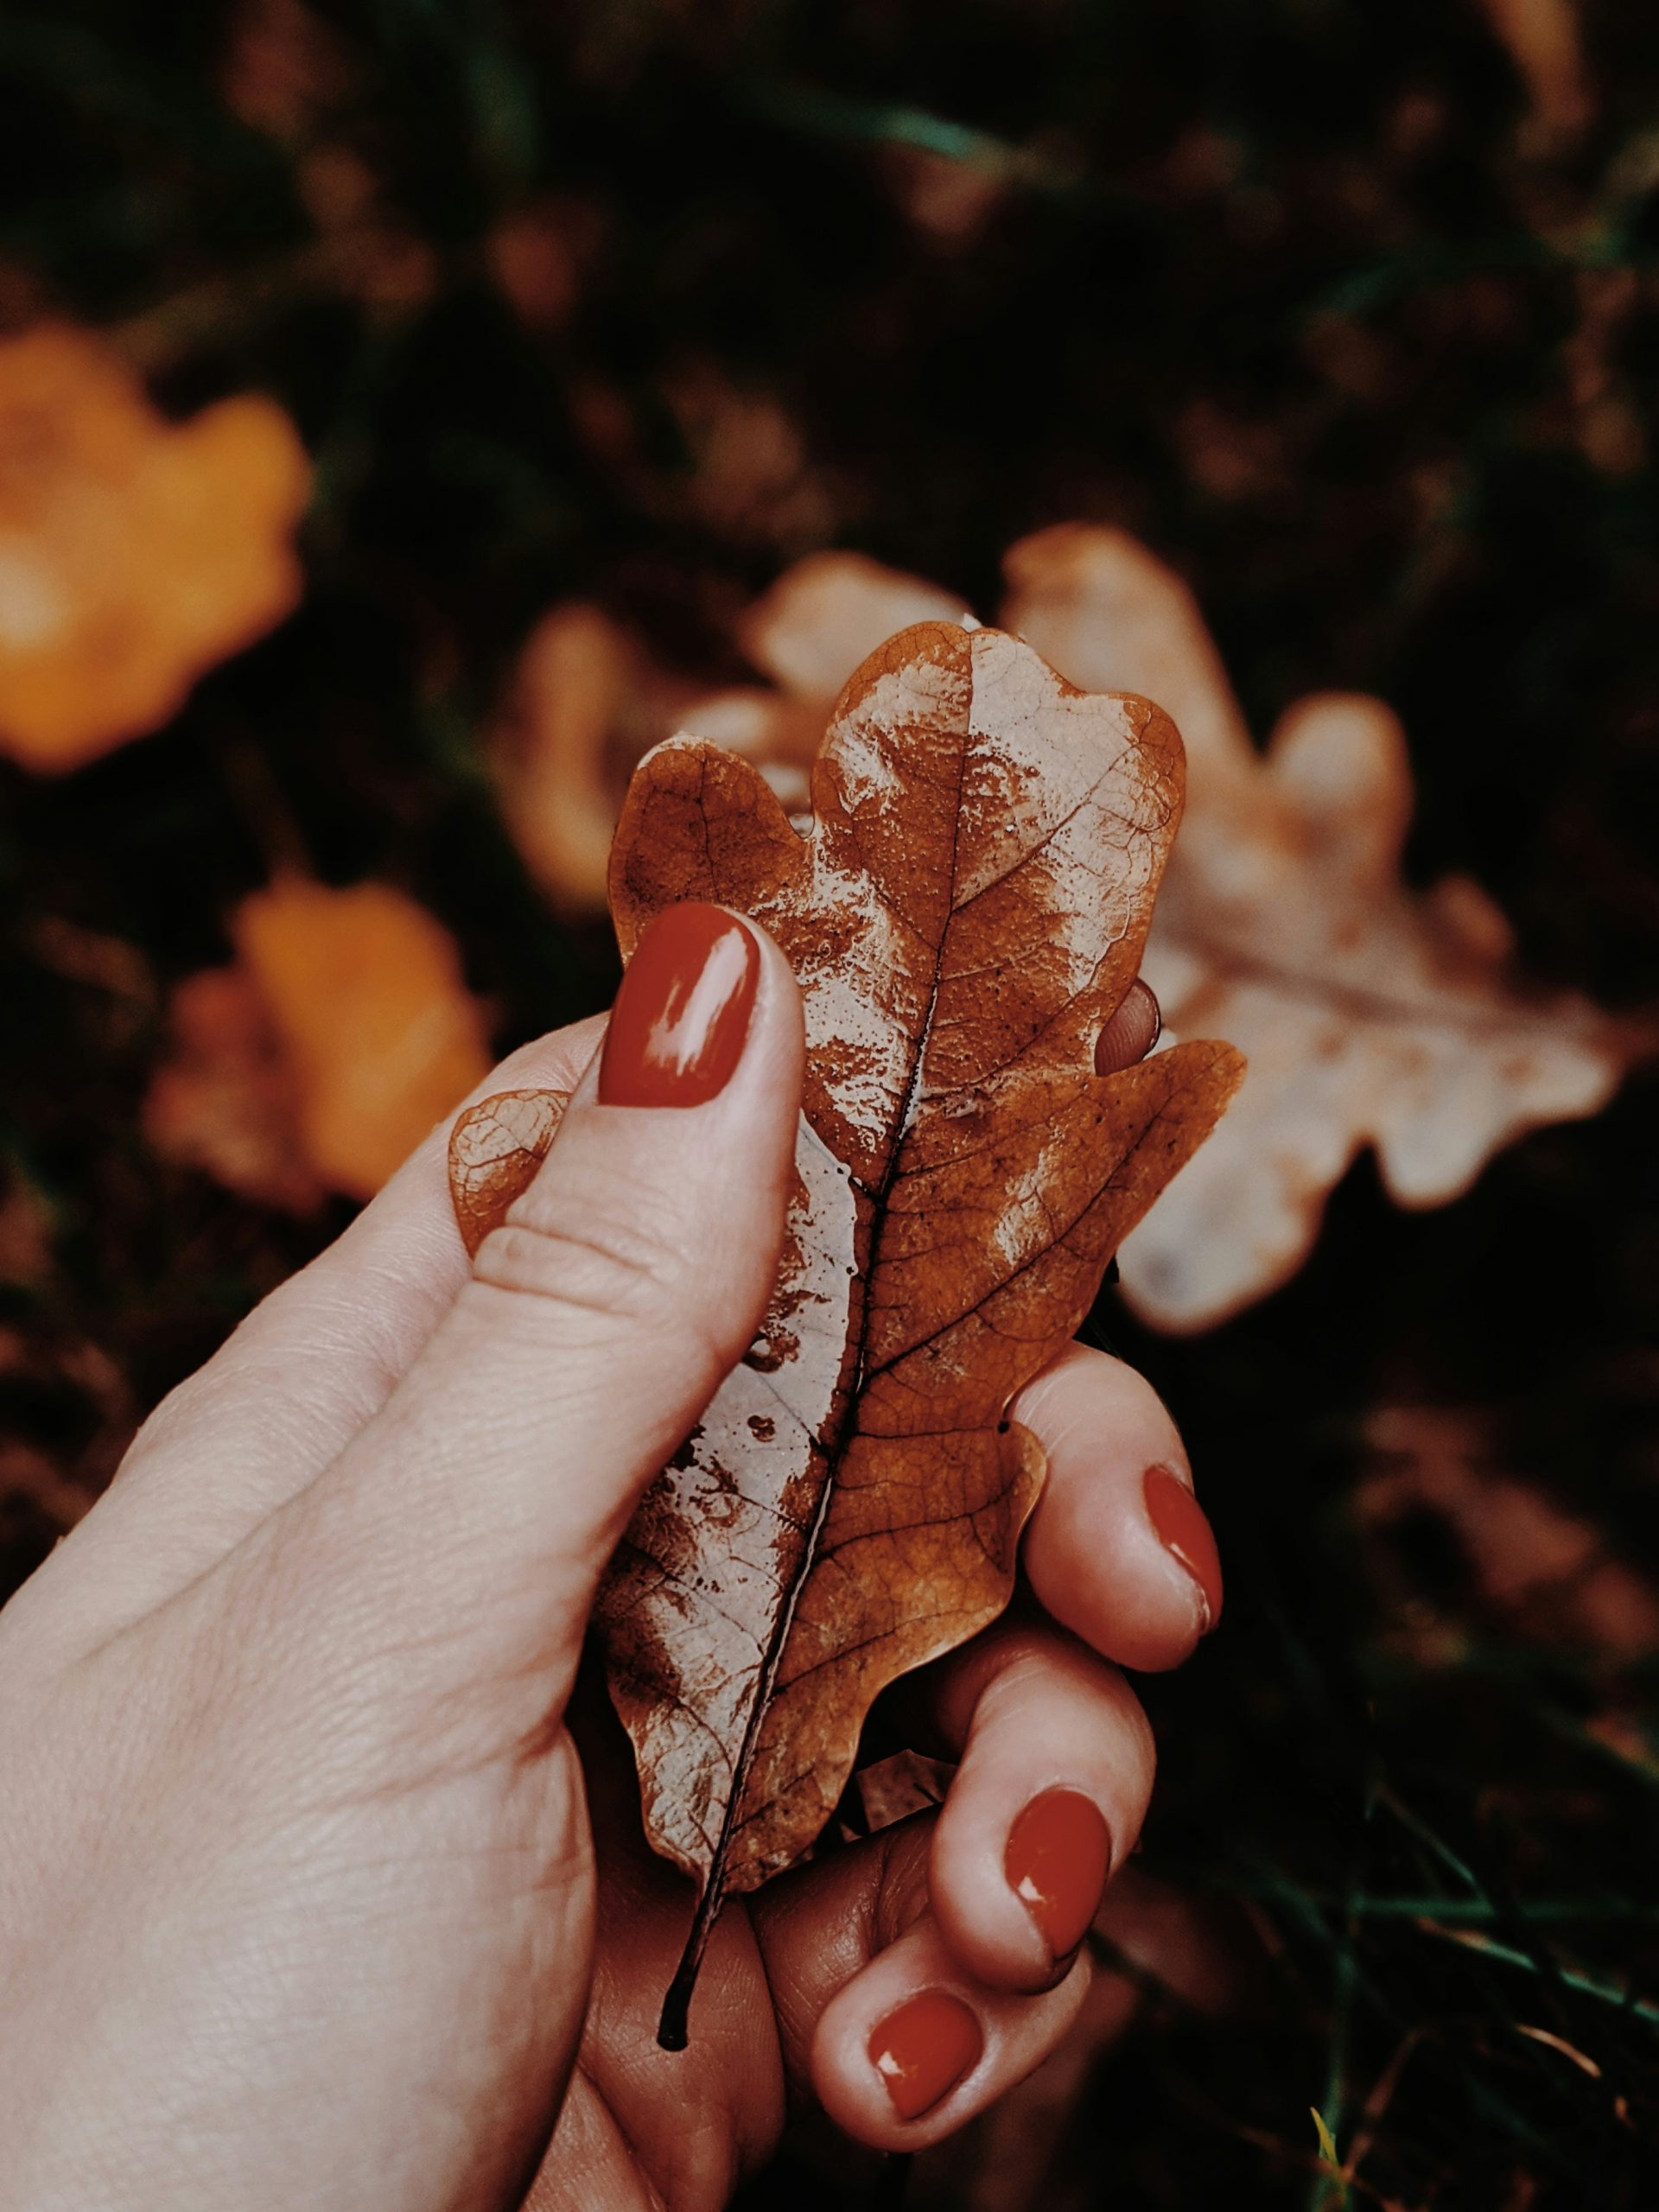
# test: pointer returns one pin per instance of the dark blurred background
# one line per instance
(1351, 312)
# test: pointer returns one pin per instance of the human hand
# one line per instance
(302, 1899)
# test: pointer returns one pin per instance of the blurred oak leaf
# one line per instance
(1545, 1573)
(587, 701)
(135, 552)
(1545, 41)
(325, 1055)
(965, 913)
(752, 476)
(1368, 1013)
(224, 1099)
(284, 67)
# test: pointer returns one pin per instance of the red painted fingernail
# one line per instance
(1183, 1530)
(1059, 1856)
(1131, 1032)
(922, 2051)
(682, 1015)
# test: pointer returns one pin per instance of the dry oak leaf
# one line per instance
(964, 915)
(134, 552)
(1549, 1575)
(323, 1057)
(1367, 1012)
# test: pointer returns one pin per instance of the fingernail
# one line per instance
(1059, 1856)
(922, 2051)
(677, 1029)
(1132, 1032)
(1183, 1530)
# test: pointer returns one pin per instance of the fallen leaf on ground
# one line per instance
(284, 66)
(224, 1099)
(751, 477)
(134, 553)
(964, 917)
(587, 701)
(1541, 1572)
(1546, 43)
(322, 1059)
(1367, 1012)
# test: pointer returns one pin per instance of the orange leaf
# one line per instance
(365, 993)
(965, 918)
(134, 553)
(326, 1055)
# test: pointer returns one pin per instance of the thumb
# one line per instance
(482, 1502)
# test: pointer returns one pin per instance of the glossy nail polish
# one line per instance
(922, 2051)
(681, 1017)
(1184, 1531)
(1059, 1856)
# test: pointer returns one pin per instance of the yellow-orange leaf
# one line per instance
(365, 992)
(324, 1057)
(134, 553)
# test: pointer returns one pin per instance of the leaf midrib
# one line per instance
(834, 1448)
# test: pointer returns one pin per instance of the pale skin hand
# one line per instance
(298, 1902)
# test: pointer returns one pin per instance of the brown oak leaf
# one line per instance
(964, 915)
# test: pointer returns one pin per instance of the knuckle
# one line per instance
(602, 1267)
(596, 1267)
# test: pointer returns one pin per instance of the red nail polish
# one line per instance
(682, 1015)
(922, 2051)
(1183, 1530)
(1059, 1856)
